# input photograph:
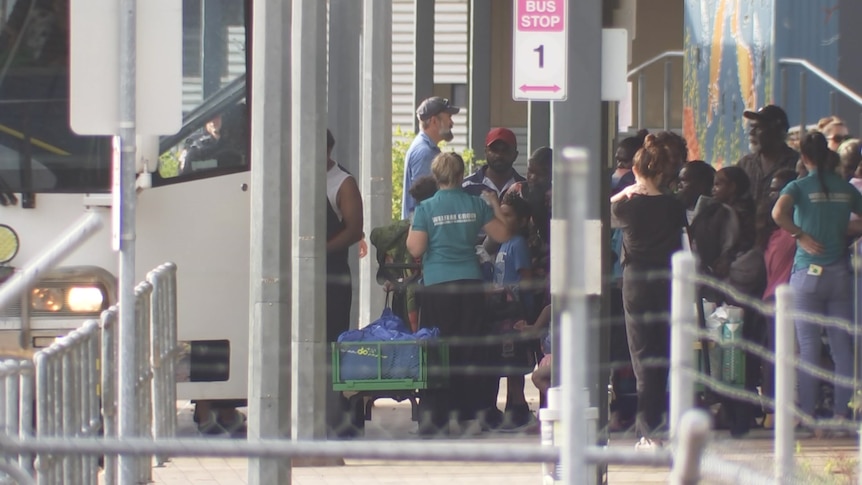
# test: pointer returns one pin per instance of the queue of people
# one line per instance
(754, 225)
(784, 213)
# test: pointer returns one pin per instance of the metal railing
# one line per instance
(68, 390)
(684, 373)
(16, 415)
(164, 351)
(75, 398)
(67, 400)
(837, 86)
(668, 86)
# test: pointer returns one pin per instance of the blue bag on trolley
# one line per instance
(399, 361)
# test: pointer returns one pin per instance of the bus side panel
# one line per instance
(203, 227)
(40, 227)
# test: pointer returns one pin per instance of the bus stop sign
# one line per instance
(539, 51)
(95, 67)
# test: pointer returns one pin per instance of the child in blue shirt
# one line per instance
(513, 271)
(512, 265)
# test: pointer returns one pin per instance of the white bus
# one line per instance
(196, 213)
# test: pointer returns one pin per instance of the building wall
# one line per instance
(450, 62)
(505, 111)
(656, 27)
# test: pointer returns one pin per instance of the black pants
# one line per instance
(339, 295)
(457, 308)
(646, 301)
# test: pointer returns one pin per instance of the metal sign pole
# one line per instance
(269, 377)
(574, 321)
(127, 404)
(308, 183)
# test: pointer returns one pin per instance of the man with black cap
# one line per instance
(501, 151)
(769, 152)
(435, 124)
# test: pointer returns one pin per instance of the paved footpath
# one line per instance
(825, 461)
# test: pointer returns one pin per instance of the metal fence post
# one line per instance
(683, 320)
(693, 432)
(157, 324)
(109, 387)
(641, 99)
(143, 377)
(163, 352)
(573, 322)
(25, 426)
(785, 383)
(803, 98)
(668, 81)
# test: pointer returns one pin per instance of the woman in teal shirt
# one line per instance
(821, 204)
(443, 234)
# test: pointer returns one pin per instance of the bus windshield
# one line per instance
(39, 153)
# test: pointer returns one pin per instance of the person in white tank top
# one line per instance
(343, 230)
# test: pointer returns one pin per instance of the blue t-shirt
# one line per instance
(824, 218)
(417, 163)
(451, 218)
(512, 257)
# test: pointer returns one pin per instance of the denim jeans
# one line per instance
(830, 294)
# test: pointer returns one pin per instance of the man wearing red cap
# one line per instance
(501, 151)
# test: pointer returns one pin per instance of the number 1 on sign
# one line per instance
(541, 51)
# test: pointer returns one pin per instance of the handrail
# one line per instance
(642, 86)
(823, 75)
(652, 61)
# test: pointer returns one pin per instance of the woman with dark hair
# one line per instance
(723, 238)
(816, 212)
(652, 223)
(677, 149)
(623, 405)
(723, 225)
(778, 250)
(625, 154)
(695, 181)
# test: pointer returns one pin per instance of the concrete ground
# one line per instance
(823, 461)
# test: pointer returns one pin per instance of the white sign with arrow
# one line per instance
(540, 55)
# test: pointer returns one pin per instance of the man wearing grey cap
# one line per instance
(435, 125)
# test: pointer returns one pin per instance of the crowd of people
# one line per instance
(493, 215)
(777, 216)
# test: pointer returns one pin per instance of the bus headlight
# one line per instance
(47, 299)
(86, 299)
(69, 299)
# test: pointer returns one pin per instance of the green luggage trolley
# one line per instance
(399, 370)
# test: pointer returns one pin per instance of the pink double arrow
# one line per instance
(527, 87)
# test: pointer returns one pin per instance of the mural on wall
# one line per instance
(728, 69)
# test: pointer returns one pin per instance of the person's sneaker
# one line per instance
(646, 444)
(431, 431)
(490, 419)
(517, 421)
(236, 427)
(210, 426)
